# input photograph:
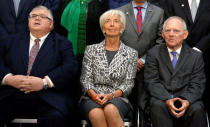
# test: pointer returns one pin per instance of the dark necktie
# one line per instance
(33, 53)
(139, 19)
(174, 60)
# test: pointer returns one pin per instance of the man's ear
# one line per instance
(186, 34)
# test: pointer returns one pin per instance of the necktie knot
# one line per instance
(139, 8)
(37, 41)
(173, 53)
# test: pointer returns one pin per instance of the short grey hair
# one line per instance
(175, 17)
(112, 12)
(40, 7)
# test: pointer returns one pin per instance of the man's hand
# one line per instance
(31, 84)
(15, 80)
(177, 112)
(140, 65)
(185, 104)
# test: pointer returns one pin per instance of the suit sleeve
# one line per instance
(86, 78)
(128, 82)
(65, 71)
(159, 39)
(152, 78)
(204, 44)
(197, 82)
(4, 47)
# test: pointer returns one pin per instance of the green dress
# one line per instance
(74, 20)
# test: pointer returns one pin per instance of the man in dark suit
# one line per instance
(14, 14)
(143, 40)
(199, 29)
(175, 78)
(35, 71)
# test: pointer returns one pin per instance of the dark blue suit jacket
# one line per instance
(55, 59)
(10, 23)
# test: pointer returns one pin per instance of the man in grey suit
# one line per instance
(174, 77)
(143, 40)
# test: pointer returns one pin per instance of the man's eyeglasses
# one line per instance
(176, 31)
(33, 16)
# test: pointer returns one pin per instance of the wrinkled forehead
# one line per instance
(112, 16)
(174, 24)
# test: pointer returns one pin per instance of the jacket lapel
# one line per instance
(21, 7)
(12, 8)
(164, 56)
(25, 50)
(130, 16)
(101, 51)
(121, 54)
(43, 51)
(182, 58)
(148, 15)
(186, 9)
(201, 8)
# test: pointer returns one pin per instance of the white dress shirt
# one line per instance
(32, 41)
(197, 1)
(177, 53)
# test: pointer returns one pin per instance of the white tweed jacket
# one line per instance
(102, 77)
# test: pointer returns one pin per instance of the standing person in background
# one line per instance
(74, 20)
(117, 3)
(142, 36)
(196, 15)
(58, 27)
(36, 72)
(93, 31)
(174, 77)
(108, 73)
(14, 14)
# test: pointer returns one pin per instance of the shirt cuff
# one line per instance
(51, 83)
(197, 49)
(143, 60)
(3, 80)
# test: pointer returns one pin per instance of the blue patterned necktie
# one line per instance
(174, 60)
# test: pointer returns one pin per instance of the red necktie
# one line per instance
(139, 19)
(33, 53)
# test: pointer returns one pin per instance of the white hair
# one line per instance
(112, 12)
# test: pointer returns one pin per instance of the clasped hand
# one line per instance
(177, 112)
(26, 84)
(101, 99)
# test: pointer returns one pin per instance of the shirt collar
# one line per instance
(145, 5)
(41, 39)
(177, 51)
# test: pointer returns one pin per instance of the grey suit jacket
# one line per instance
(187, 80)
(102, 77)
(151, 30)
(142, 42)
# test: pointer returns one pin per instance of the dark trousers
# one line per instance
(195, 116)
(30, 105)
